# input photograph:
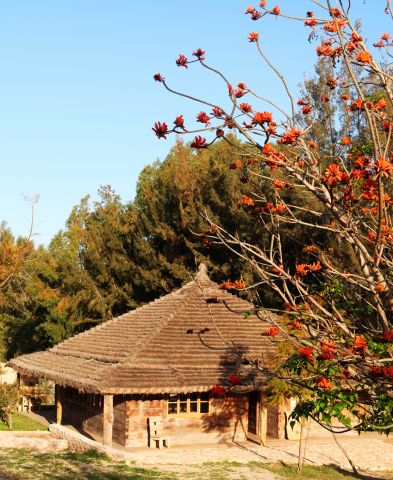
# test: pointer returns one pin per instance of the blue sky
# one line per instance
(77, 99)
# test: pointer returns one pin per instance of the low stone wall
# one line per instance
(41, 441)
(79, 443)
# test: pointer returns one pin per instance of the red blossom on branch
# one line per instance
(262, 117)
(182, 61)
(234, 379)
(272, 332)
(306, 353)
(246, 200)
(388, 336)
(359, 344)
(202, 117)
(218, 390)
(160, 129)
(245, 107)
(199, 142)
(158, 77)
(199, 53)
(310, 22)
(324, 383)
(383, 167)
(179, 122)
(364, 57)
(291, 136)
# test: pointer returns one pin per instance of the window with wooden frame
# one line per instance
(188, 404)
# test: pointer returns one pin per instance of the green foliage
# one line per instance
(278, 390)
(8, 402)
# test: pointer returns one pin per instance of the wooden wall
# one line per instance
(227, 421)
(79, 412)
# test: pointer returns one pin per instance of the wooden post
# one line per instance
(107, 420)
(263, 418)
(59, 404)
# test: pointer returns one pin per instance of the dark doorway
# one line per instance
(253, 430)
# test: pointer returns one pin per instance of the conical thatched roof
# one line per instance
(156, 348)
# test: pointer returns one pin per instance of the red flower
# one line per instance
(217, 112)
(384, 168)
(179, 122)
(345, 141)
(364, 57)
(380, 104)
(306, 352)
(302, 270)
(328, 353)
(356, 105)
(388, 336)
(236, 165)
(331, 83)
(239, 284)
(160, 129)
(310, 22)
(345, 373)
(199, 53)
(323, 382)
(276, 10)
(291, 136)
(280, 208)
(388, 372)
(158, 77)
(246, 200)
(240, 93)
(262, 117)
(227, 285)
(199, 142)
(253, 36)
(255, 15)
(272, 332)
(359, 344)
(218, 390)
(233, 379)
(245, 107)
(203, 118)
(181, 61)
(335, 12)
(306, 109)
(278, 270)
(334, 175)
(386, 36)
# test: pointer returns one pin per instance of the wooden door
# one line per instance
(253, 423)
(256, 429)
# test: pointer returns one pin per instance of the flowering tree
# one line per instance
(339, 319)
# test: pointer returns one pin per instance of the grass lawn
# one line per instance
(28, 465)
(323, 473)
(22, 422)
